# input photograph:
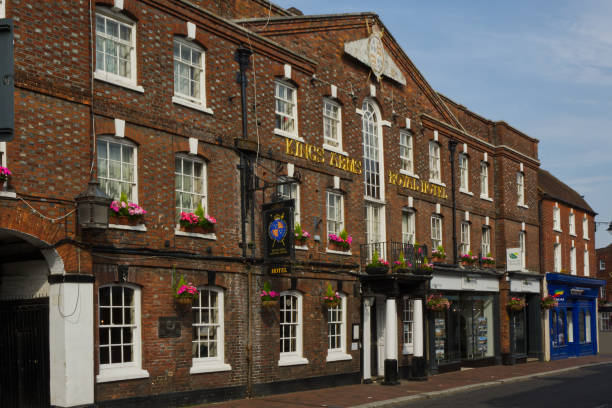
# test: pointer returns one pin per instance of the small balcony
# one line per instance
(415, 257)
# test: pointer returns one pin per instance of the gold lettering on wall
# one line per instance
(414, 184)
(317, 155)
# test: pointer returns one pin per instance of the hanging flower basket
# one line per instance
(437, 303)
(331, 298)
(183, 303)
(516, 304)
(549, 302)
(269, 298)
(184, 294)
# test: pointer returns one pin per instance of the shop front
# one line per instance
(525, 323)
(572, 323)
(466, 332)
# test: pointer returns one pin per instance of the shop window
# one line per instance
(436, 231)
(485, 247)
(572, 224)
(189, 74)
(520, 188)
(335, 213)
(408, 227)
(463, 173)
(285, 97)
(484, 180)
(332, 125)
(190, 184)
(372, 146)
(291, 329)
(558, 328)
(119, 332)
(208, 341)
(336, 331)
(406, 153)
(434, 162)
(587, 326)
(605, 321)
(408, 322)
(557, 257)
(556, 218)
(115, 48)
(290, 191)
(117, 168)
(464, 246)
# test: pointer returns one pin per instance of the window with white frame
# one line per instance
(602, 265)
(406, 152)
(587, 262)
(463, 173)
(573, 260)
(408, 323)
(291, 329)
(190, 184)
(572, 224)
(523, 249)
(585, 227)
(285, 97)
(436, 231)
(520, 188)
(464, 246)
(371, 151)
(605, 321)
(434, 162)
(208, 342)
(484, 179)
(119, 332)
(117, 168)
(290, 191)
(336, 331)
(332, 124)
(335, 213)
(115, 47)
(408, 227)
(557, 257)
(485, 246)
(189, 77)
(557, 218)
(374, 218)
(2, 8)
(602, 292)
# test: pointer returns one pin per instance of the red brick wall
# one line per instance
(605, 254)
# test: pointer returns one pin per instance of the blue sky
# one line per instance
(544, 67)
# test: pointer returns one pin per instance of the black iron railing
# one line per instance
(414, 256)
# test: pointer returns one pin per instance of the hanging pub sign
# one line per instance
(278, 235)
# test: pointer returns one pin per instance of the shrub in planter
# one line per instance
(301, 235)
(340, 242)
(425, 267)
(269, 298)
(468, 259)
(331, 298)
(125, 213)
(401, 265)
(488, 261)
(378, 266)
(438, 254)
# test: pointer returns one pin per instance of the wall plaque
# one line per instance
(169, 327)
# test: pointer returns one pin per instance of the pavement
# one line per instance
(376, 395)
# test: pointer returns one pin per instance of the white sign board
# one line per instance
(513, 259)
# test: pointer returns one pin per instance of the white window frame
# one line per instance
(572, 224)
(605, 321)
(293, 134)
(3, 11)
(204, 180)
(374, 215)
(586, 263)
(585, 227)
(122, 142)
(573, 270)
(434, 162)
(408, 326)
(557, 219)
(133, 369)
(485, 245)
(587, 326)
(217, 363)
(373, 157)
(187, 100)
(464, 245)
(290, 358)
(294, 193)
(464, 173)
(408, 226)
(557, 258)
(523, 249)
(338, 208)
(406, 153)
(436, 231)
(338, 353)
(602, 265)
(520, 188)
(116, 79)
(484, 180)
(333, 122)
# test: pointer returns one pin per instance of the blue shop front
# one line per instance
(573, 323)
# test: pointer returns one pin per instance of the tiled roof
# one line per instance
(553, 188)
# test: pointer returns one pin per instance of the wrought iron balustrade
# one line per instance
(414, 256)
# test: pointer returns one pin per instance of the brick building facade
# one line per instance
(142, 96)
(604, 268)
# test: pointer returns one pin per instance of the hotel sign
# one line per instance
(278, 230)
(317, 154)
(417, 185)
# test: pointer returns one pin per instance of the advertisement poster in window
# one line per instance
(440, 336)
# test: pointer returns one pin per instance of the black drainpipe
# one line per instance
(452, 145)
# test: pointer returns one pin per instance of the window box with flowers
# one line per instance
(269, 298)
(184, 294)
(488, 261)
(468, 259)
(4, 174)
(197, 222)
(126, 214)
(401, 265)
(301, 236)
(549, 302)
(331, 298)
(437, 303)
(377, 266)
(516, 304)
(341, 242)
(438, 254)
(425, 267)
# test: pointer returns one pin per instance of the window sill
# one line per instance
(288, 135)
(8, 194)
(585, 238)
(301, 247)
(120, 374)
(291, 361)
(466, 192)
(212, 367)
(332, 251)
(438, 182)
(212, 236)
(139, 227)
(338, 356)
(179, 101)
(409, 173)
(523, 206)
(334, 149)
(101, 76)
(487, 198)
(573, 234)
(557, 230)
